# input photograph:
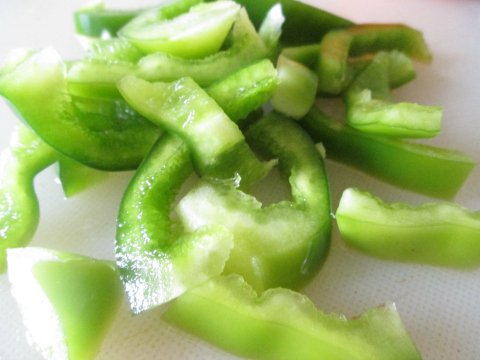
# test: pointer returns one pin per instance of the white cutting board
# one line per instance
(440, 307)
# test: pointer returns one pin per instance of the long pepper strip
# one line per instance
(425, 169)
(282, 324)
(433, 233)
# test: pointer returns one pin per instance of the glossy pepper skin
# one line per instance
(100, 76)
(217, 145)
(67, 301)
(156, 259)
(282, 324)
(26, 156)
(425, 169)
(101, 134)
(441, 233)
(282, 244)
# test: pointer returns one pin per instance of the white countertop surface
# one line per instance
(440, 307)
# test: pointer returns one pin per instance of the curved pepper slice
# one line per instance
(245, 90)
(433, 233)
(194, 34)
(281, 244)
(369, 107)
(67, 301)
(104, 135)
(337, 46)
(282, 324)
(245, 47)
(100, 76)
(217, 144)
(157, 260)
(26, 156)
(425, 169)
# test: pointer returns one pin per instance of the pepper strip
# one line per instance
(26, 156)
(282, 324)
(425, 169)
(297, 230)
(303, 23)
(100, 134)
(245, 90)
(67, 301)
(337, 46)
(217, 144)
(156, 260)
(100, 77)
(434, 233)
(369, 105)
(197, 33)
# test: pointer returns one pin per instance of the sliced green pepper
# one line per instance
(99, 77)
(26, 156)
(433, 233)
(282, 324)
(245, 90)
(271, 29)
(369, 106)
(218, 146)
(76, 177)
(337, 46)
(194, 34)
(96, 21)
(102, 134)
(156, 259)
(67, 301)
(281, 244)
(425, 169)
(297, 88)
(303, 23)
(244, 47)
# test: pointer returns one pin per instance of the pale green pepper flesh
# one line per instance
(434, 233)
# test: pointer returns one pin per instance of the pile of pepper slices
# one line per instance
(182, 89)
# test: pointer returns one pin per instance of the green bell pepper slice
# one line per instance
(218, 146)
(76, 177)
(26, 156)
(369, 106)
(440, 233)
(156, 259)
(246, 90)
(270, 30)
(282, 324)
(67, 301)
(194, 34)
(106, 135)
(297, 230)
(97, 21)
(297, 88)
(338, 45)
(113, 51)
(421, 168)
(303, 23)
(98, 76)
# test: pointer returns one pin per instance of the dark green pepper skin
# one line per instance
(101, 134)
(156, 259)
(303, 23)
(425, 169)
